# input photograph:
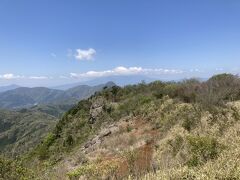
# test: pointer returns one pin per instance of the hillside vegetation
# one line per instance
(161, 130)
(21, 130)
(24, 97)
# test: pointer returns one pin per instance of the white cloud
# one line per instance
(219, 69)
(85, 54)
(63, 77)
(195, 70)
(125, 71)
(38, 77)
(10, 76)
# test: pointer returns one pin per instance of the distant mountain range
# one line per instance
(27, 114)
(119, 80)
(24, 97)
(7, 88)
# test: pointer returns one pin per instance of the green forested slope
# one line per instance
(24, 97)
(20, 131)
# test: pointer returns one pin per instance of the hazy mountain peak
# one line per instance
(9, 87)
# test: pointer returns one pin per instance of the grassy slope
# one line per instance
(158, 131)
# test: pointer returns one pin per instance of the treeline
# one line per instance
(216, 91)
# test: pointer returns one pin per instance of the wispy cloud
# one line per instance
(63, 77)
(219, 69)
(38, 77)
(196, 70)
(82, 54)
(121, 70)
(117, 71)
(10, 76)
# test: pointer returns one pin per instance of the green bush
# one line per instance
(69, 140)
(191, 117)
(129, 128)
(158, 95)
(42, 152)
(202, 149)
(49, 140)
(43, 149)
(176, 144)
(14, 170)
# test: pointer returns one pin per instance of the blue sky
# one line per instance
(50, 42)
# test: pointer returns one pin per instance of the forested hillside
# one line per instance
(24, 97)
(21, 130)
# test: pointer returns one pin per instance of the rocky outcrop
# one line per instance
(96, 109)
(98, 139)
(104, 133)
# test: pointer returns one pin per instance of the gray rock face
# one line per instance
(113, 128)
(98, 103)
(105, 133)
(96, 109)
(93, 143)
(88, 144)
(95, 112)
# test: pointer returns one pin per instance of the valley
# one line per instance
(28, 114)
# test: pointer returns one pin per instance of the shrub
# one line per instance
(176, 144)
(131, 157)
(96, 170)
(114, 92)
(49, 140)
(43, 149)
(191, 117)
(69, 140)
(158, 95)
(129, 128)
(42, 152)
(202, 149)
(219, 89)
(14, 169)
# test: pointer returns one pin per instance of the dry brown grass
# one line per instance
(139, 152)
(225, 166)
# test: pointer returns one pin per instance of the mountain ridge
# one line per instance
(24, 97)
(9, 87)
(161, 130)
